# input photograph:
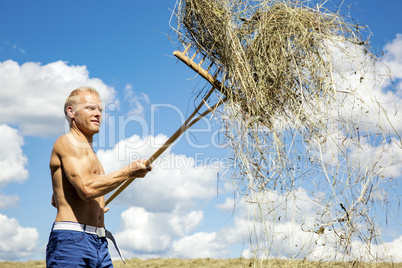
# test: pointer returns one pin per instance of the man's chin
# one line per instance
(94, 130)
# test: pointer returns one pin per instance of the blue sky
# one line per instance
(48, 48)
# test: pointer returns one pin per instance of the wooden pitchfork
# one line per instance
(190, 121)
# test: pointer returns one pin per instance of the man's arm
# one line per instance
(78, 166)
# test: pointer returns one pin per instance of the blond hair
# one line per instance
(75, 96)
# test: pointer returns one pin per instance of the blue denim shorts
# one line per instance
(76, 249)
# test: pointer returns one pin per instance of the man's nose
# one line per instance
(98, 112)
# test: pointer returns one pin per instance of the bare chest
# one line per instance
(95, 165)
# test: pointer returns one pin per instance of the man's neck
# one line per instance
(79, 139)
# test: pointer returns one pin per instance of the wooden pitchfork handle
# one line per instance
(166, 145)
(188, 123)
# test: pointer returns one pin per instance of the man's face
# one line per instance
(88, 113)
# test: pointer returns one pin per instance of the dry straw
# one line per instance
(272, 53)
(281, 64)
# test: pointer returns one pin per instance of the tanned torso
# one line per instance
(79, 181)
(70, 205)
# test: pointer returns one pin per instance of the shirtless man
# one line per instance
(78, 237)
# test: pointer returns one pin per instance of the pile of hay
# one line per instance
(272, 54)
(283, 118)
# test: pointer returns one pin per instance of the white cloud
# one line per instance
(173, 185)
(165, 213)
(175, 179)
(12, 160)
(285, 226)
(32, 95)
(7, 201)
(151, 233)
(386, 251)
(277, 225)
(143, 231)
(363, 96)
(16, 48)
(384, 159)
(130, 149)
(365, 115)
(135, 101)
(16, 242)
(199, 245)
(393, 56)
(145, 234)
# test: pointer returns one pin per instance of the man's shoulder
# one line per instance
(68, 144)
(57, 152)
(62, 141)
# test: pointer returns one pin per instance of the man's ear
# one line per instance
(70, 112)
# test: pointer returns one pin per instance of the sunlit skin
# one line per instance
(78, 179)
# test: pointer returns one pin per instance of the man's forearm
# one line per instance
(100, 185)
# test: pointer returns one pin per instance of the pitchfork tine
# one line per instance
(187, 48)
(210, 66)
(202, 60)
(195, 54)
